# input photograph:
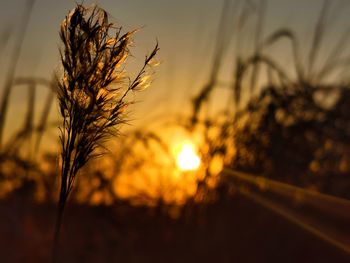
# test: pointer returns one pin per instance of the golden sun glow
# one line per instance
(187, 159)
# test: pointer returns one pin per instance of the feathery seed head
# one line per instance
(93, 90)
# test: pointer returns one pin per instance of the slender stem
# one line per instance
(58, 224)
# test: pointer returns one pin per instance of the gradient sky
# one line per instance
(185, 29)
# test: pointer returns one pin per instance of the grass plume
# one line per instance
(93, 91)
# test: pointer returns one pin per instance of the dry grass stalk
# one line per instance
(15, 143)
(222, 44)
(318, 36)
(43, 123)
(44, 117)
(93, 91)
(12, 67)
(257, 39)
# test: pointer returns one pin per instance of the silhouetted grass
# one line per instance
(281, 131)
(12, 67)
(92, 93)
(262, 142)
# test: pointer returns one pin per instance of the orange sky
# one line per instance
(185, 29)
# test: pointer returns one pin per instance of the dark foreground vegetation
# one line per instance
(294, 127)
(231, 230)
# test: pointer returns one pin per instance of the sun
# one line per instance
(187, 159)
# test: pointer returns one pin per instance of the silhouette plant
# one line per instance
(93, 91)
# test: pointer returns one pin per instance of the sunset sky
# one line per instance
(174, 130)
(185, 29)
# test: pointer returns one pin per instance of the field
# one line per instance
(141, 149)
